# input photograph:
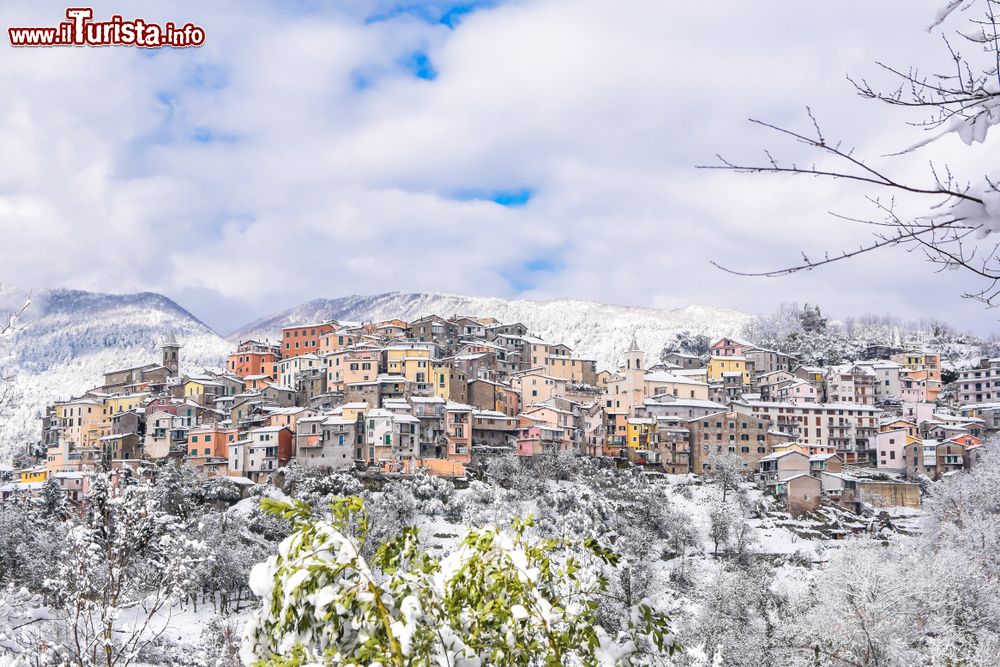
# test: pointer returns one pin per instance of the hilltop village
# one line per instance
(441, 396)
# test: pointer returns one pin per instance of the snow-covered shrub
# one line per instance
(511, 473)
(30, 543)
(222, 490)
(481, 494)
(232, 549)
(389, 512)
(218, 646)
(559, 465)
(431, 493)
(21, 615)
(455, 510)
(573, 510)
(323, 602)
(741, 616)
(178, 488)
(319, 489)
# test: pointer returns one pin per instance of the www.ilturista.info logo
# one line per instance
(81, 30)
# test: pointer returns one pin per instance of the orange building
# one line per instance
(254, 358)
(304, 339)
(336, 341)
(207, 442)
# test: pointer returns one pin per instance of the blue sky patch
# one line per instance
(454, 16)
(207, 76)
(205, 135)
(513, 198)
(508, 198)
(419, 64)
(448, 14)
(526, 276)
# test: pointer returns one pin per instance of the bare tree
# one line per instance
(7, 329)
(728, 470)
(961, 221)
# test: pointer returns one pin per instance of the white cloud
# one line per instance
(311, 187)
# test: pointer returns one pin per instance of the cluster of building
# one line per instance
(437, 395)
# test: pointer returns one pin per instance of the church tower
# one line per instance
(171, 354)
(635, 359)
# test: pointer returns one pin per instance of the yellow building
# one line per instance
(442, 372)
(638, 431)
(413, 362)
(82, 421)
(34, 475)
(117, 404)
(719, 365)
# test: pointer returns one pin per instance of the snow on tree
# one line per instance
(812, 320)
(222, 491)
(53, 498)
(720, 518)
(687, 343)
(318, 488)
(566, 511)
(499, 598)
(118, 571)
(432, 494)
(178, 488)
(30, 543)
(951, 218)
(728, 470)
(390, 512)
(740, 618)
(21, 615)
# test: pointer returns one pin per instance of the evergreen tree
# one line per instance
(54, 498)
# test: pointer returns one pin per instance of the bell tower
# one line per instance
(171, 354)
(635, 359)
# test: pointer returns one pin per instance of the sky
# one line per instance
(516, 148)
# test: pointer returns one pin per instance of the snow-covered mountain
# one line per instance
(70, 338)
(595, 330)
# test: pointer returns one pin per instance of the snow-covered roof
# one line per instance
(686, 403)
(774, 456)
(406, 419)
(811, 406)
(674, 378)
(426, 399)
